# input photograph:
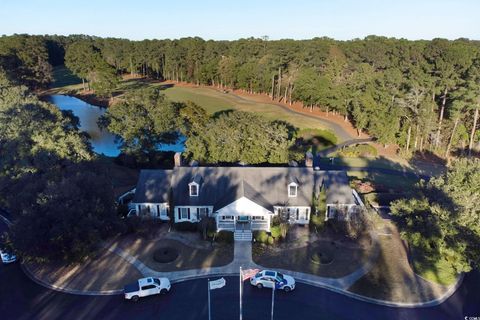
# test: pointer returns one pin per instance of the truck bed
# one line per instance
(133, 287)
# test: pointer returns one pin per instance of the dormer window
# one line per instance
(193, 189)
(292, 189)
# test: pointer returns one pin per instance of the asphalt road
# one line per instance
(20, 298)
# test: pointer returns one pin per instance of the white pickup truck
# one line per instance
(146, 287)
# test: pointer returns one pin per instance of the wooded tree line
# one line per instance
(45, 164)
(422, 95)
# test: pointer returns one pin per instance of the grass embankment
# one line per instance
(440, 271)
(392, 277)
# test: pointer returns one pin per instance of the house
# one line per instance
(242, 198)
(341, 200)
(152, 194)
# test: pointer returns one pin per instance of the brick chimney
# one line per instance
(177, 159)
(308, 159)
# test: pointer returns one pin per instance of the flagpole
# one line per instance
(273, 300)
(241, 285)
(208, 286)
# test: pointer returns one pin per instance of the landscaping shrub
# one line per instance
(207, 227)
(270, 240)
(276, 232)
(317, 221)
(122, 210)
(284, 227)
(276, 220)
(186, 226)
(225, 236)
(260, 236)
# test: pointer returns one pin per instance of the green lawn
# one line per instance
(375, 162)
(63, 77)
(384, 181)
(215, 101)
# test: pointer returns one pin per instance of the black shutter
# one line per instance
(198, 213)
(206, 210)
(188, 213)
(298, 213)
(179, 214)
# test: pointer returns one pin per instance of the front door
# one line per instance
(242, 223)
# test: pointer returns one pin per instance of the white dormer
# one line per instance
(193, 189)
(292, 189)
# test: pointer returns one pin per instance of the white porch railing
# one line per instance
(261, 225)
(225, 225)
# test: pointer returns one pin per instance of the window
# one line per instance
(150, 286)
(227, 217)
(203, 212)
(193, 189)
(292, 190)
(156, 281)
(184, 213)
(270, 273)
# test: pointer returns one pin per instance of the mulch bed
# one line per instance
(336, 261)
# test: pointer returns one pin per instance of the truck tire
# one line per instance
(287, 289)
(259, 286)
(135, 298)
(163, 291)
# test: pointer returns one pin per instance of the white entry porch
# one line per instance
(243, 215)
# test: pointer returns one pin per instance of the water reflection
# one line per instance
(103, 142)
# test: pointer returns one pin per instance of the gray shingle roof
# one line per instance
(338, 190)
(221, 186)
(153, 186)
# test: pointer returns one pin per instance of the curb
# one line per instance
(4, 219)
(430, 303)
(47, 285)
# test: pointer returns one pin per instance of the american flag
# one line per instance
(249, 273)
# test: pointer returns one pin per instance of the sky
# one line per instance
(230, 20)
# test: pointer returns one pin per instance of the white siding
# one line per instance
(153, 210)
(299, 215)
(191, 213)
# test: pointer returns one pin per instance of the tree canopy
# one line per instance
(240, 136)
(144, 119)
(443, 220)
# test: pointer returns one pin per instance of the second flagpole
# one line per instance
(241, 285)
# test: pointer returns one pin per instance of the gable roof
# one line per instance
(153, 186)
(266, 186)
(338, 190)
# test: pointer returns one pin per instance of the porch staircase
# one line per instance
(242, 235)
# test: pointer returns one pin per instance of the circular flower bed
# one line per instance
(165, 254)
(322, 258)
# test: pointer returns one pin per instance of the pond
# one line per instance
(103, 141)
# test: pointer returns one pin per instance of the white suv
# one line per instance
(268, 279)
(7, 257)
